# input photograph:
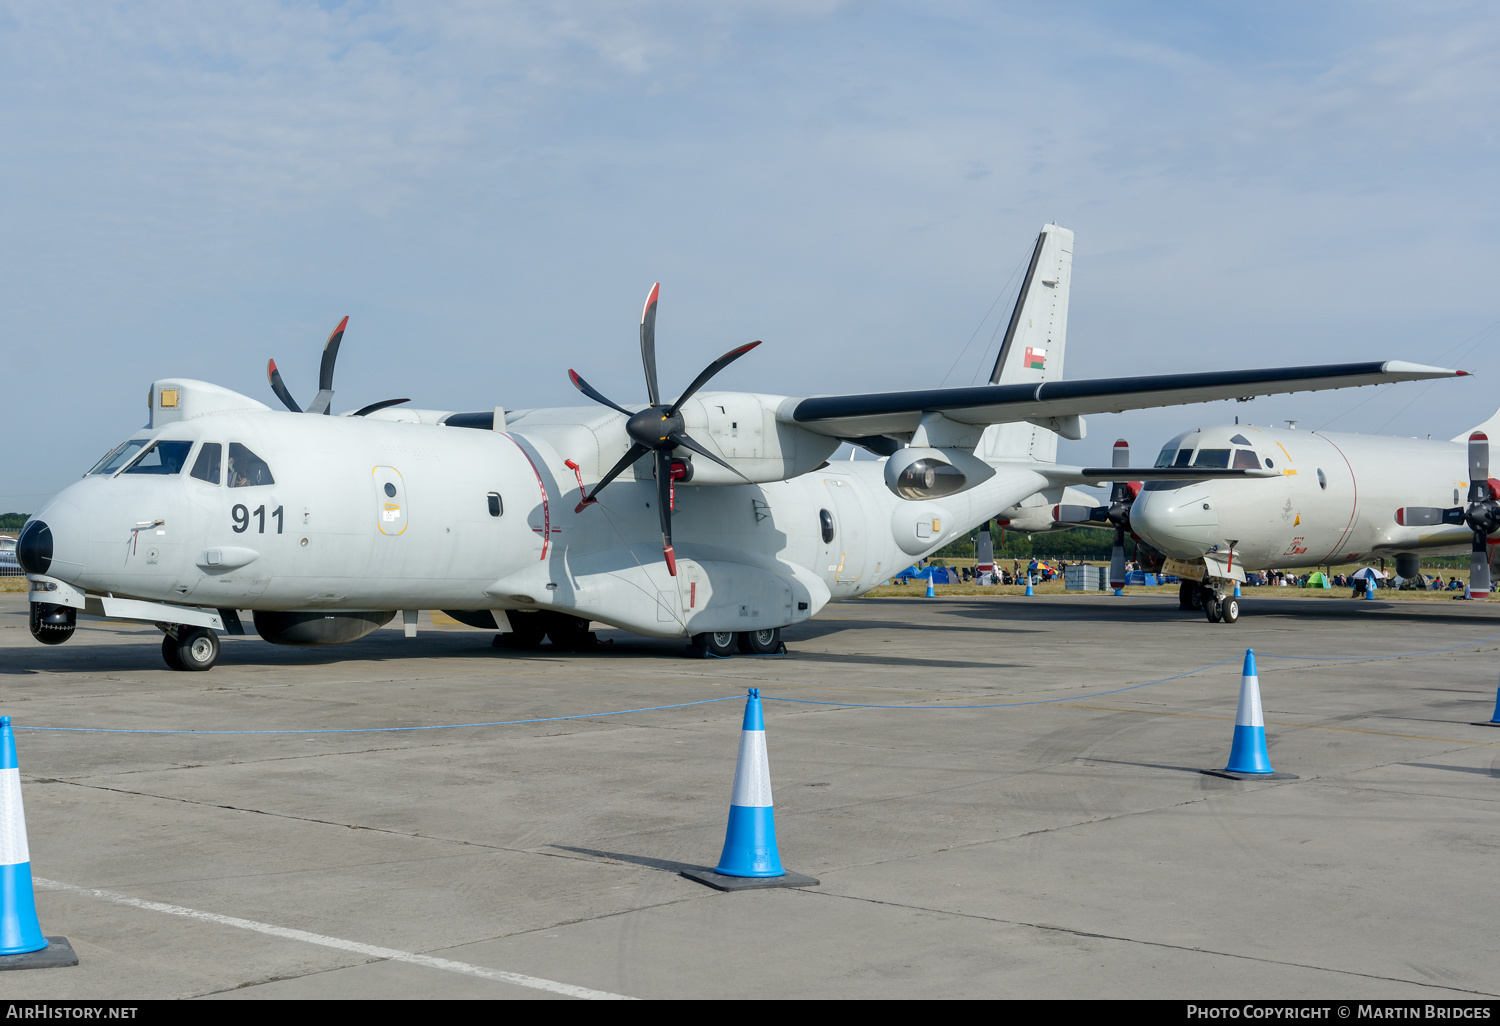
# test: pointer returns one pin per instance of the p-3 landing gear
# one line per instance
(1221, 608)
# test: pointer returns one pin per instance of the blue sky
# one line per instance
(489, 190)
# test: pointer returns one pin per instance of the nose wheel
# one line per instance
(194, 648)
(1221, 608)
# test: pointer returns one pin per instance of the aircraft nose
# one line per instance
(52, 543)
(34, 547)
(1182, 522)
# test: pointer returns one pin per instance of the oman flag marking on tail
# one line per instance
(1036, 359)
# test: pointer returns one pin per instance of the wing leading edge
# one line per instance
(887, 413)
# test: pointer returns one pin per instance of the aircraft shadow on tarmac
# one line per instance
(1252, 606)
(1492, 771)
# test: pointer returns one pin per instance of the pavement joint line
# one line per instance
(1304, 726)
(1150, 943)
(340, 944)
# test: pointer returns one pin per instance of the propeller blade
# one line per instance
(323, 400)
(1122, 454)
(1479, 467)
(648, 343)
(1119, 491)
(1479, 567)
(664, 507)
(710, 371)
(279, 387)
(1428, 516)
(687, 443)
(593, 393)
(634, 453)
(1117, 561)
(365, 411)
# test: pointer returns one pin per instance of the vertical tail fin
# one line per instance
(1035, 341)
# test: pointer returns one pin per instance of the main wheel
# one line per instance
(527, 630)
(1190, 596)
(760, 642)
(1212, 609)
(169, 652)
(569, 632)
(197, 649)
(715, 643)
(1230, 609)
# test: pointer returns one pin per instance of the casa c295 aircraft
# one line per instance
(712, 516)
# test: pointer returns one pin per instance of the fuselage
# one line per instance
(302, 512)
(1334, 501)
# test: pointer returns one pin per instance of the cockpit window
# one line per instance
(1165, 459)
(1245, 459)
(206, 466)
(1213, 458)
(165, 457)
(246, 470)
(117, 457)
(1239, 440)
(1184, 458)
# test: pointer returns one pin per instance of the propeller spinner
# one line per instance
(659, 428)
(1481, 515)
(321, 401)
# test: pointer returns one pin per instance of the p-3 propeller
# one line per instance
(321, 401)
(1482, 514)
(659, 427)
(1121, 495)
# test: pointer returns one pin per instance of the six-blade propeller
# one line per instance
(1482, 514)
(1121, 495)
(659, 428)
(321, 401)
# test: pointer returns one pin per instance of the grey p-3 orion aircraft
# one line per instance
(712, 516)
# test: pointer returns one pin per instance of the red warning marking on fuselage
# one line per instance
(546, 529)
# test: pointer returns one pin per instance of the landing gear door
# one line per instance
(391, 514)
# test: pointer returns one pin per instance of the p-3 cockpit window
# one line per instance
(1213, 458)
(1245, 459)
(117, 457)
(1165, 459)
(206, 466)
(247, 470)
(164, 457)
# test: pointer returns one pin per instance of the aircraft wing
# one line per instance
(1104, 475)
(894, 413)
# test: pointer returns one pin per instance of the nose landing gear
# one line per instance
(189, 648)
(1220, 607)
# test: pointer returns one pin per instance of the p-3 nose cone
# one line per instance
(1180, 522)
(34, 547)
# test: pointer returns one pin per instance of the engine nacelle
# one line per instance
(317, 628)
(923, 474)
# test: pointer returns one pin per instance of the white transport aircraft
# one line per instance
(713, 516)
(1335, 498)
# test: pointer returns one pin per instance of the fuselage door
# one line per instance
(846, 551)
(391, 514)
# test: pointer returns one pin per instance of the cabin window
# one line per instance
(1184, 458)
(247, 470)
(1269, 464)
(1213, 459)
(1322, 480)
(1239, 440)
(1245, 459)
(118, 457)
(1165, 459)
(496, 506)
(161, 458)
(206, 466)
(825, 521)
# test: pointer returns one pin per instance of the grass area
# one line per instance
(12, 584)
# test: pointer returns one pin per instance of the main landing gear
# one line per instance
(189, 648)
(725, 643)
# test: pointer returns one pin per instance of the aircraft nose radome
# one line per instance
(34, 547)
(1177, 522)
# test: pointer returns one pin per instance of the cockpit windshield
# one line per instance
(117, 457)
(1212, 458)
(1165, 459)
(246, 470)
(164, 457)
(1245, 459)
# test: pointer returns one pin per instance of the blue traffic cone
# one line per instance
(750, 841)
(1237, 589)
(1495, 719)
(930, 592)
(1369, 587)
(1248, 753)
(19, 930)
(1029, 590)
